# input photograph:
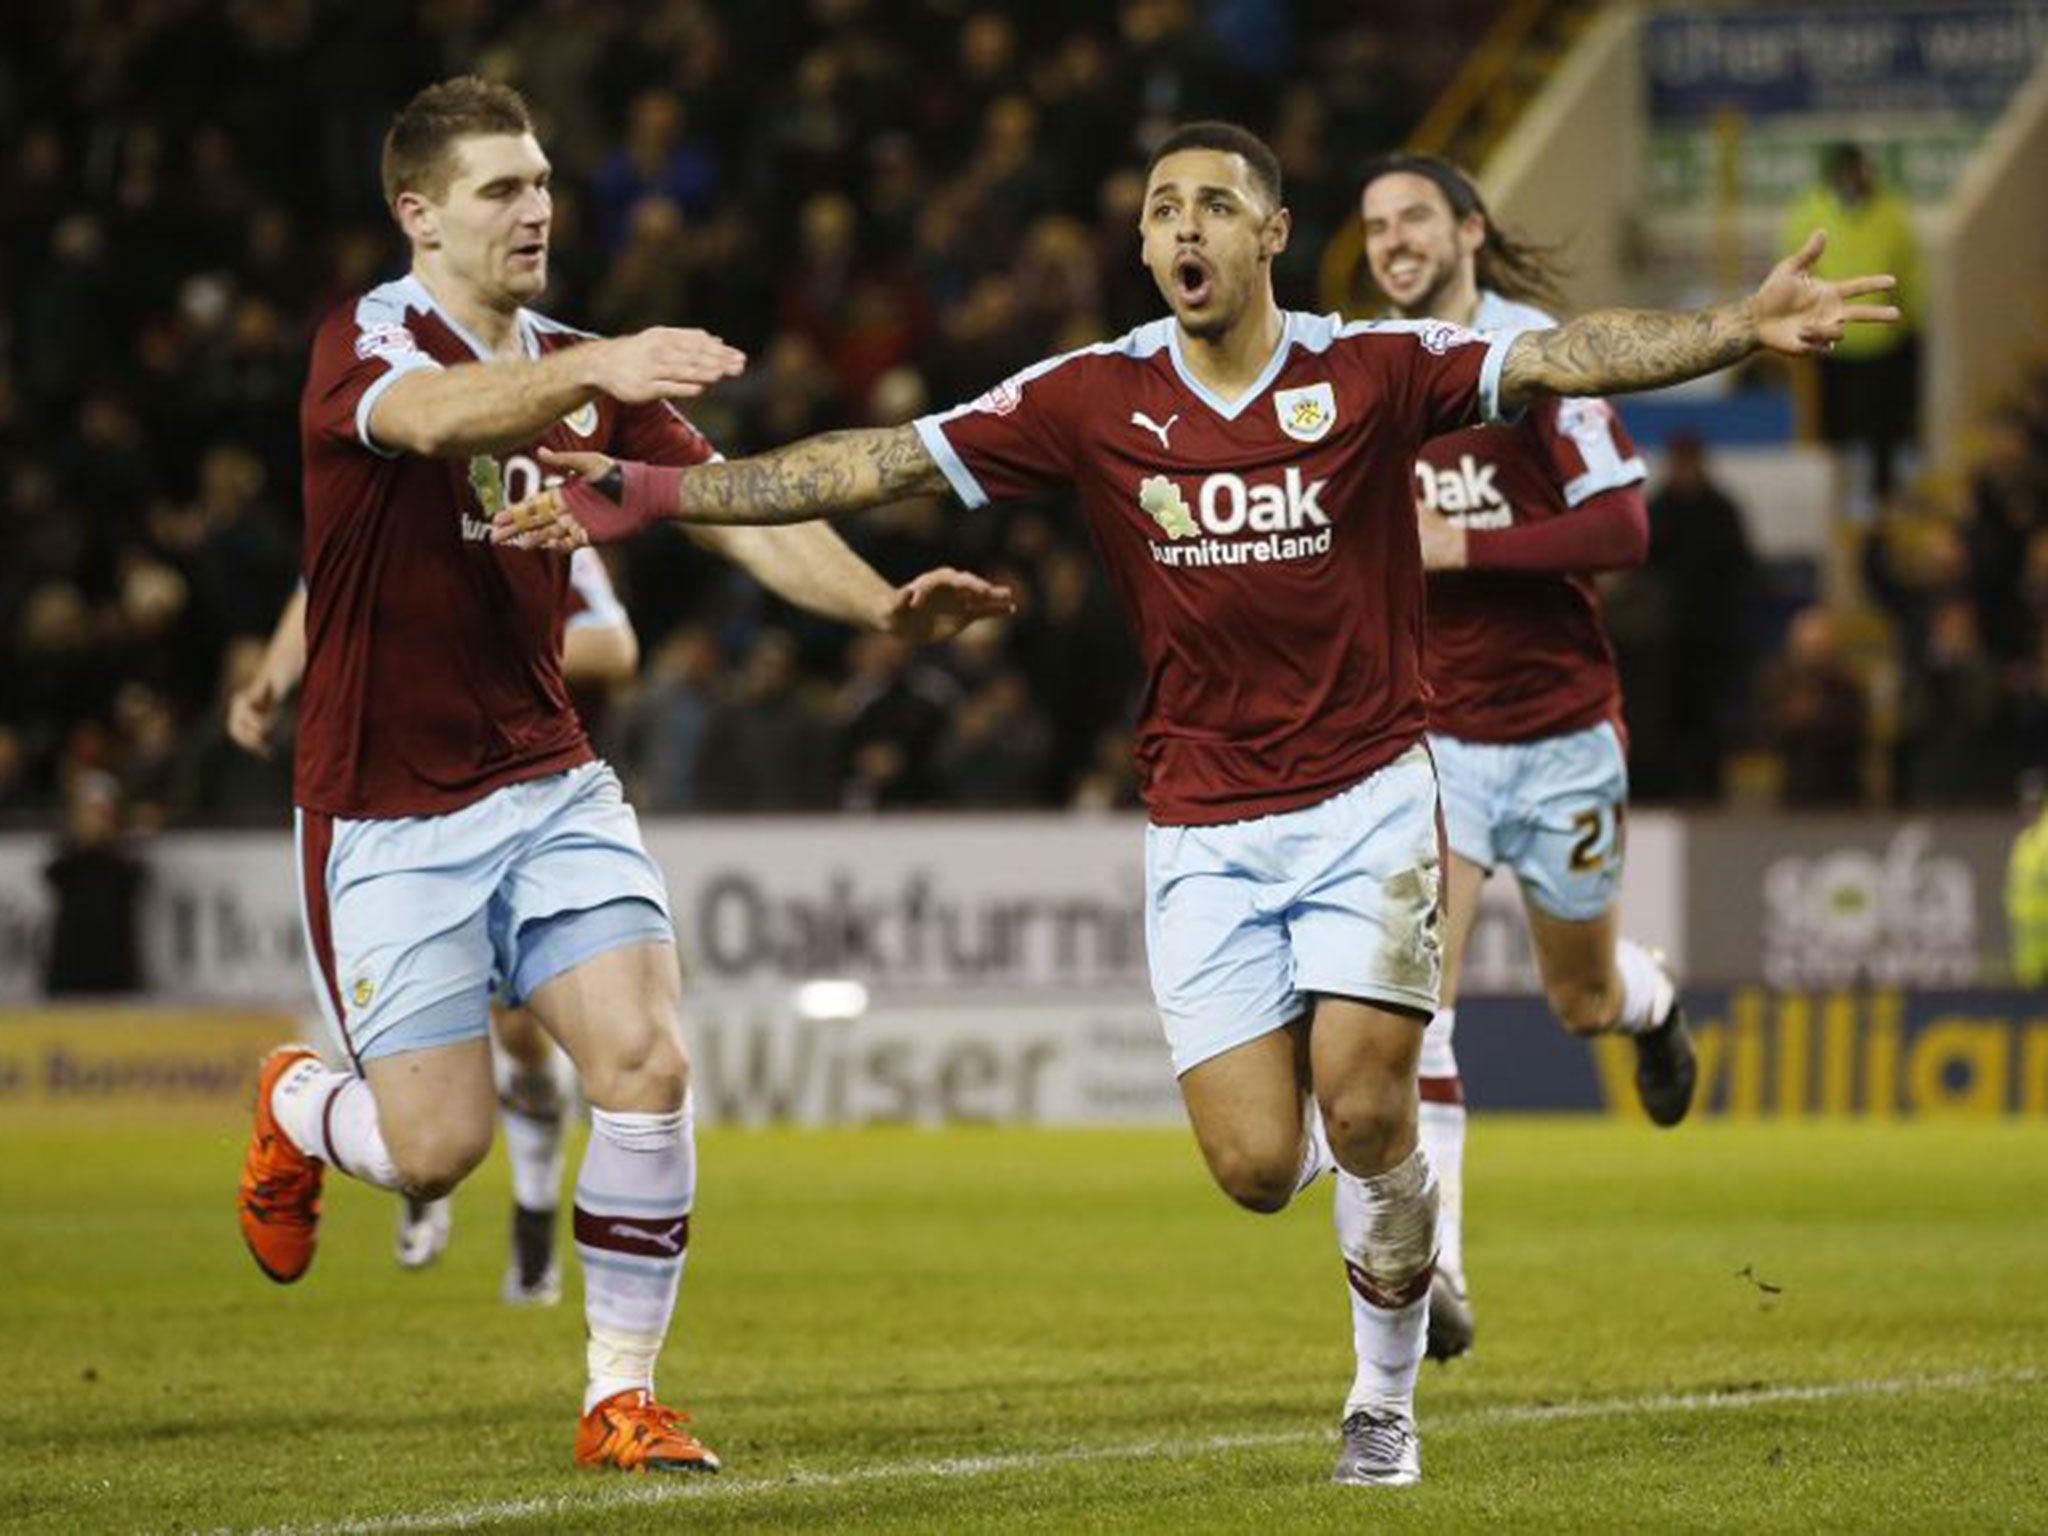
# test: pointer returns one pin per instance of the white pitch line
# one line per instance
(694, 1488)
(1746, 1397)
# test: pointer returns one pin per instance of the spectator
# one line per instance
(861, 320)
(1870, 380)
(216, 782)
(238, 560)
(893, 713)
(1957, 736)
(1110, 782)
(145, 753)
(768, 746)
(1816, 718)
(656, 159)
(1700, 554)
(97, 883)
(1642, 626)
(994, 752)
(2026, 886)
(663, 723)
(1914, 561)
(1077, 658)
(651, 275)
(2030, 712)
(2007, 518)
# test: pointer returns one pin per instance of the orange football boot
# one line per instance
(631, 1431)
(279, 1200)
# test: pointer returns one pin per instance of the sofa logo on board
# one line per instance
(1895, 916)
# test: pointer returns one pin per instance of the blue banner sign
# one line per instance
(1869, 1053)
(1964, 59)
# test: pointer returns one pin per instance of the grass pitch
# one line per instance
(1010, 1330)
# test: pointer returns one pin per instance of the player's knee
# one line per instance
(1259, 1181)
(1366, 1122)
(433, 1160)
(1583, 1008)
(641, 1068)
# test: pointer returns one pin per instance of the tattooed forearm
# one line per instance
(1613, 351)
(834, 472)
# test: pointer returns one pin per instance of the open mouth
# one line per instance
(532, 251)
(1192, 279)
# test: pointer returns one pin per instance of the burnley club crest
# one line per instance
(1306, 414)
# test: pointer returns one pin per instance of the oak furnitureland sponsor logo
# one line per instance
(918, 930)
(1465, 493)
(1288, 515)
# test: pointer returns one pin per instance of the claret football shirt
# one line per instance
(433, 657)
(1519, 655)
(1263, 550)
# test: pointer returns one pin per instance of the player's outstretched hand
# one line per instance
(942, 602)
(252, 714)
(542, 521)
(661, 363)
(1798, 313)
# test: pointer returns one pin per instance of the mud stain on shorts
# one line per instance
(1410, 921)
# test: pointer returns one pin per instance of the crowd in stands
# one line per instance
(890, 204)
(1958, 565)
(1922, 683)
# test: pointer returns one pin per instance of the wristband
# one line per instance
(626, 500)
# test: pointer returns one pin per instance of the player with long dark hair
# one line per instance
(1515, 520)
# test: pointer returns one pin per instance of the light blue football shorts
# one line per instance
(1246, 922)
(412, 921)
(1554, 811)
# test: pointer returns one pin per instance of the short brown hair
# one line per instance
(417, 145)
(1229, 139)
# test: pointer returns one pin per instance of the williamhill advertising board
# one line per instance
(1877, 1054)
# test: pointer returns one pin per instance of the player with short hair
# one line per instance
(1525, 701)
(454, 826)
(1246, 475)
(534, 1079)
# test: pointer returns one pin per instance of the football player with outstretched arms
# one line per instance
(1247, 478)
(454, 827)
